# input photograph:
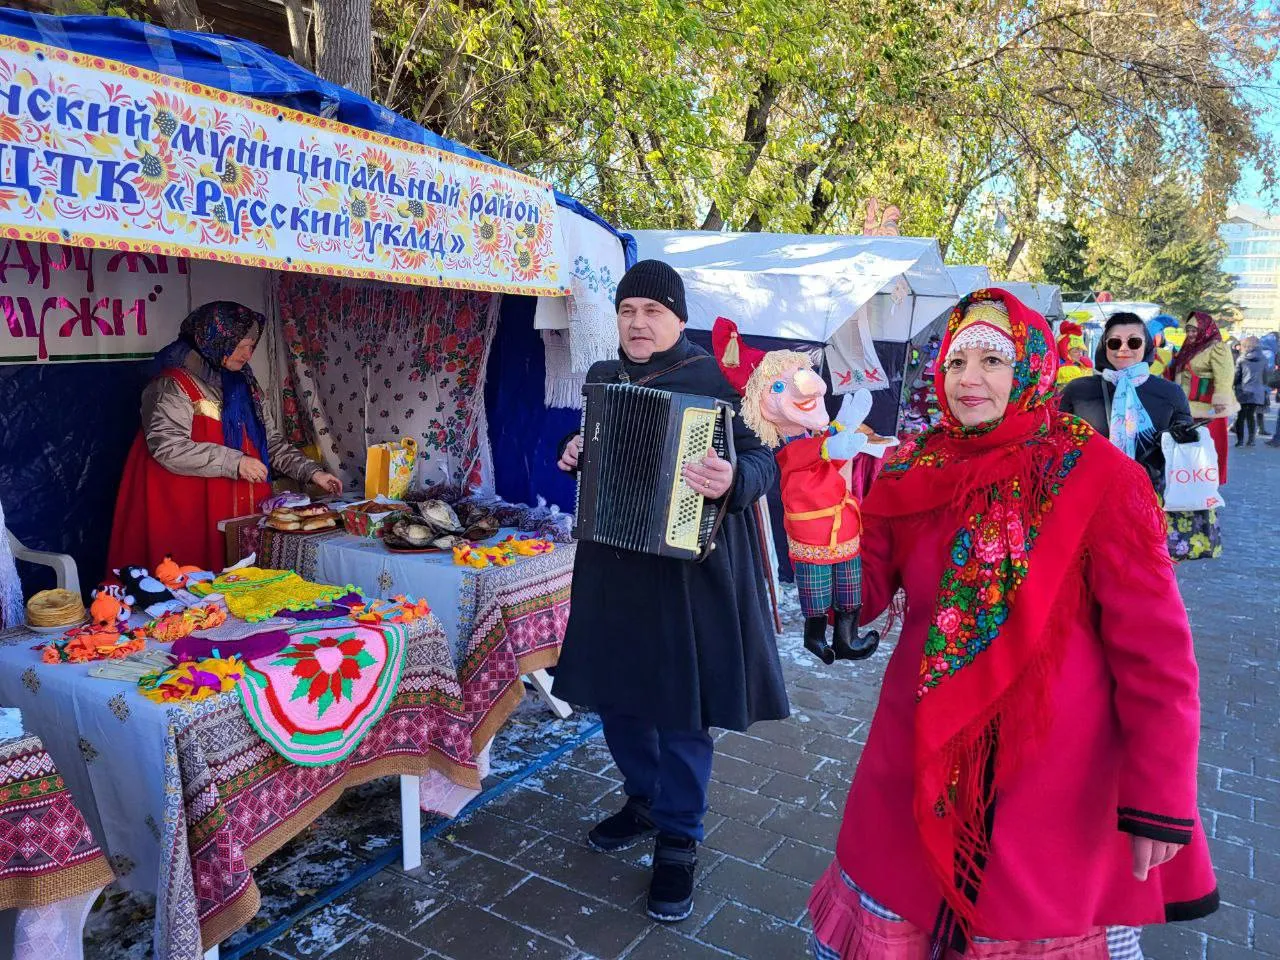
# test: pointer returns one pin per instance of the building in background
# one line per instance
(1253, 259)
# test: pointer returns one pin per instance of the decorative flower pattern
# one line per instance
(326, 667)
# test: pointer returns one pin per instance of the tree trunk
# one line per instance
(180, 14)
(755, 134)
(299, 20)
(344, 43)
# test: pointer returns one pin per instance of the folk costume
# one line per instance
(821, 516)
(1073, 359)
(199, 420)
(1205, 370)
(1033, 717)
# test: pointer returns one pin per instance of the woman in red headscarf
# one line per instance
(1205, 370)
(1030, 774)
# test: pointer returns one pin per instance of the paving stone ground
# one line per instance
(517, 880)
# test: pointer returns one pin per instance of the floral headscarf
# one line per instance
(213, 331)
(990, 647)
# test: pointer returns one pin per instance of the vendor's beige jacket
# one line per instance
(1214, 362)
(166, 424)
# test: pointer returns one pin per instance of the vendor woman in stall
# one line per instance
(207, 446)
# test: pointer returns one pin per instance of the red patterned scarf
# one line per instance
(1206, 335)
(990, 649)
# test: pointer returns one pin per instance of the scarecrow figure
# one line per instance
(783, 403)
(1073, 353)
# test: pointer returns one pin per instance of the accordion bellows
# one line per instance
(631, 493)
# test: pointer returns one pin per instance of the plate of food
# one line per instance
(55, 611)
(314, 518)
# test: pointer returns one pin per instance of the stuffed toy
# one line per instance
(111, 606)
(175, 577)
(783, 402)
(152, 595)
(1073, 355)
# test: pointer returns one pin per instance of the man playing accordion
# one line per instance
(666, 648)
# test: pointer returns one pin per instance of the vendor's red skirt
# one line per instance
(160, 512)
(1218, 430)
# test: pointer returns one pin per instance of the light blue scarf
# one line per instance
(1129, 418)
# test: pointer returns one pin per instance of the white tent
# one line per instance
(1044, 298)
(969, 278)
(1099, 312)
(805, 287)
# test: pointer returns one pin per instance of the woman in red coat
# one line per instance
(1030, 774)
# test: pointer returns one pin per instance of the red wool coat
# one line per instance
(822, 520)
(1119, 756)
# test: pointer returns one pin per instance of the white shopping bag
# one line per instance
(1190, 474)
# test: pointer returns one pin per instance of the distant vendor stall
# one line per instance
(856, 304)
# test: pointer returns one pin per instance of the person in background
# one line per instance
(207, 446)
(1203, 368)
(1126, 403)
(1251, 390)
(664, 649)
(1030, 773)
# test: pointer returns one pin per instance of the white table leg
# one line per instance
(212, 953)
(410, 823)
(541, 681)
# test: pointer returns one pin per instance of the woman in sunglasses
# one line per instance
(1126, 403)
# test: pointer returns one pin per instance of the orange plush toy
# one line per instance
(111, 607)
(173, 576)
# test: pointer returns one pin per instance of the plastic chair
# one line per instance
(63, 565)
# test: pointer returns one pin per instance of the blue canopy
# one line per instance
(240, 66)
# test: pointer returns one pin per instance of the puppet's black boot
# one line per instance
(815, 639)
(847, 642)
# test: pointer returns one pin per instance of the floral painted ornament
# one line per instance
(315, 700)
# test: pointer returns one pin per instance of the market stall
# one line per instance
(390, 266)
(1044, 298)
(858, 299)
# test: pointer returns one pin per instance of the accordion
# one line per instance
(631, 493)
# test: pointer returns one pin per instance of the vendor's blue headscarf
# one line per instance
(213, 331)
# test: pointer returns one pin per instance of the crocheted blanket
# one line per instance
(254, 594)
(314, 700)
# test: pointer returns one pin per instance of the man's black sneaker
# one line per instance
(675, 861)
(625, 828)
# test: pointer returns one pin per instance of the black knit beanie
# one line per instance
(654, 280)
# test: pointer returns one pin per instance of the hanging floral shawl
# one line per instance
(990, 649)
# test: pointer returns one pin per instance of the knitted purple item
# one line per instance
(335, 608)
(250, 648)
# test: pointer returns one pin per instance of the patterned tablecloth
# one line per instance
(502, 622)
(47, 852)
(187, 798)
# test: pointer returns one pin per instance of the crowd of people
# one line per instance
(1008, 541)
